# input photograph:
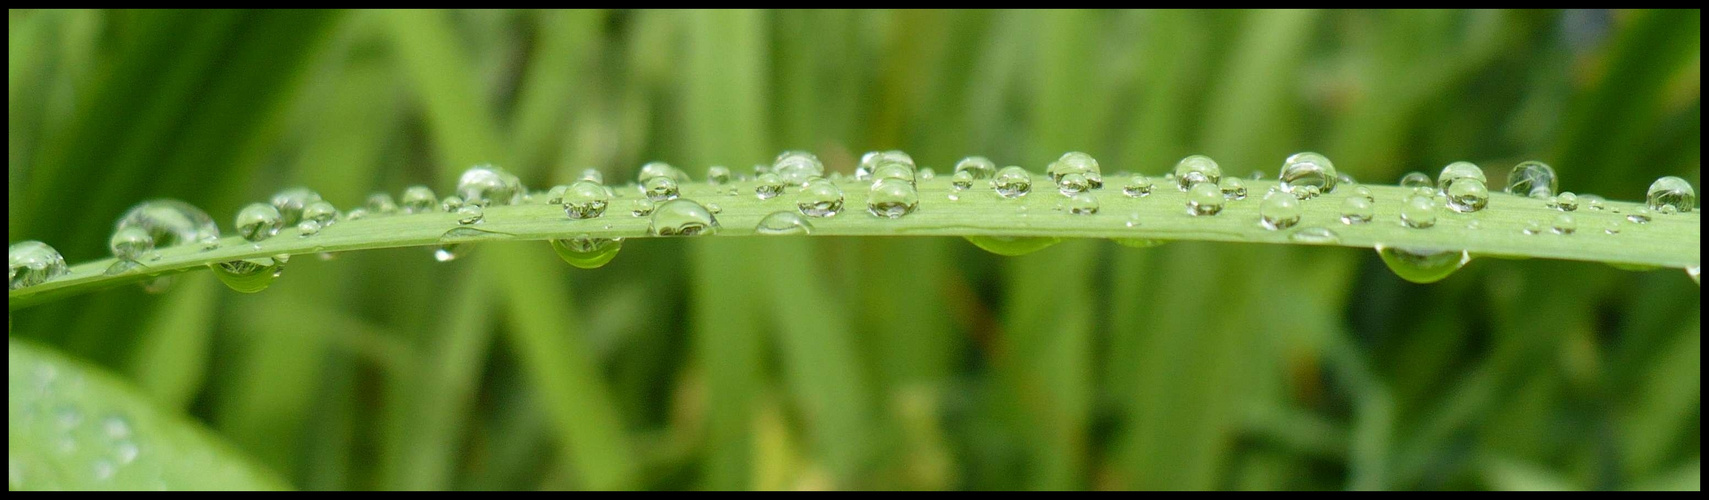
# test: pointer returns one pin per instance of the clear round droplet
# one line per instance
(592, 175)
(1235, 189)
(1280, 210)
(380, 204)
(489, 185)
(795, 168)
(1196, 169)
(768, 186)
(657, 169)
(961, 180)
(1532, 227)
(782, 223)
(1460, 170)
(870, 161)
(1639, 216)
(130, 243)
(1418, 212)
(419, 200)
(1670, 195)
(1304, 170)
(1532, 178)
(1072, 184)
(1466, 195)
(470, 214)
(1012, 182)
(1564, 224)
(321, 212)
(586, 200)
(171, 223)
(1138, 186)
(1362, 192)
(30, 263)
(976, 167)
(1423, 265)
(820, 198)
(682, 217)
(1417, 180)
(660, 188)
(1082, 204)
(893, 170)
(717, 175)
(587, 252)
(292, 201)
(641, 207)
(1565, 202)
(451, 203)
(892, 198)
(1075, 162)
(1204, 198)
(555, 196)
(258, 221)
(1357, 210)
(307, 228)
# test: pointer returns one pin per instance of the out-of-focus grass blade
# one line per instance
(171, 359)
(565, 50)
(427, 418)
(463, 129)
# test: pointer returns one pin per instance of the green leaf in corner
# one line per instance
(71, 426)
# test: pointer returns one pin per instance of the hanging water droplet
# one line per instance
(1303, 170)
(1564, 224)
(1417, 180)
(1418, 212)
(891, 198)
(1565, 202)
(961, 180)
(1073, 184)
(130, 243)
(489, 185)
(1640, 215)
(449, 252)
(784, 222)
(30, 263)
(290, 203)
(717, 175)
(1012, 246)
(683, 217)
(870, 161)
(795, 168)
(258, 221)
(470, 214)
(1012, 182)
(820, 198)
(171, 223)
(1233, 189)
(1280, 210)
(1423, 265)
(248, 275)
(1532, 178)
(1075, 162)
(1138, 186)
(307, 228)
(768, 186)
(1670, 195)
(660, 188)
(1204, 198)
(1196, 169)
(641, 207)
(586, 200)
(1315, 235)
(587, 252)
(1082, 204)
(976, 167)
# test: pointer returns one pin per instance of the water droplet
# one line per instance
(820, 198)
(1362, 192)
(768, 186)
(555, 196)
(684, 217)
(380, 204)
(1011, 246)
(1012, 182)
(1417, 180)
(1612, 228)
(171, 223)
(591, 174)
(1564, 224)
(449, 252)
(1532, 227)
(1280, 210)
(1594, 203)
(1418, 212)
(795, 168)
(1342, 180)
(660, 188)
(784, 222)
(415, 200)
(1075, 162)
(1315, 235)
(292, 201)
(1138, 186)
(657, 169)
(1257, 175)
(258, 221)
(1196, 169)
(586, 200)
(451, 203)
(870, 161)
(1532, 178)
(891, 198)
(1423, 265)
(641, 207)
(717, 175)
(1639, 216)
(1072, 184)
(130, 243)
(307, 228)
(321, 212)
(961, 180)
(1466, 195)
(976, 167)
(1082, 204)
(470, 214)
(489, 185)
(927, 174)
(1565, 202)
(587, 252)
(1204, 198)
(1669, 195)
(1233, 189)
(1696, 273)
(248, 275)
(893, 170)
(1304, 170)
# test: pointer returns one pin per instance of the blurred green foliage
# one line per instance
(910, 363)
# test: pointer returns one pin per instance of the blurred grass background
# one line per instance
(906, 363)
